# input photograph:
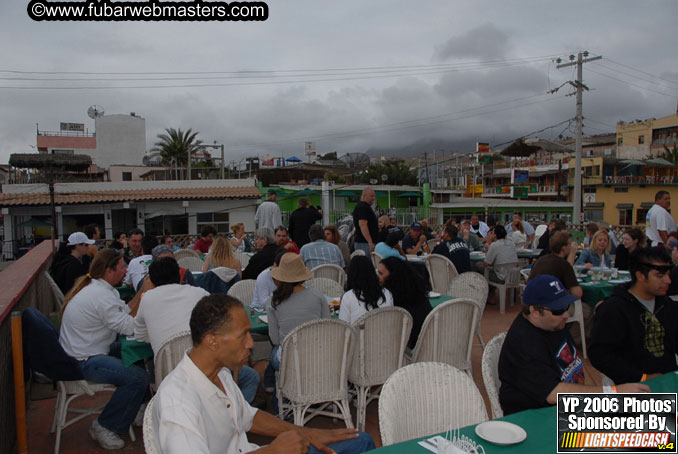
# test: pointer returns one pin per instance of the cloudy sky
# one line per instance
(351, 75)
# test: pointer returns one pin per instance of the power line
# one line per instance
(632, 84)
(643, 72)
(636, 77)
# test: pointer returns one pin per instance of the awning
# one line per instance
(305, 192)
(659, 162)
(159, 213)
(34, 223)
(293, 159)
(625, 206)
(345, 193)
(409, 194)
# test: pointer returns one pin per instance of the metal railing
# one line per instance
(670, 179)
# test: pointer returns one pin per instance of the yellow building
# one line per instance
(640, 139)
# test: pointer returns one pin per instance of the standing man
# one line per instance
(301, 220)
(365, 222)
(635, 331)
(319, 251)
(478, 227)
(539, 359)
(268, 214)
(659, 221)
(454, 249)
(527, 227)
(199, 409)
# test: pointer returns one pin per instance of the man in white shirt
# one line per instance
(268, 214)
(659, 221)
(527, 227)
(199, 409)
(479, 227)
(138, 267)
(91, 320)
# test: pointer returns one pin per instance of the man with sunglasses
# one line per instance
(635, 331)
(539, 359)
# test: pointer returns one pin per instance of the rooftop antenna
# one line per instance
(95, 111)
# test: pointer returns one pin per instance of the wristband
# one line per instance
(643, 378)
(609, 389)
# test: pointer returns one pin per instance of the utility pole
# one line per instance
(582, 57)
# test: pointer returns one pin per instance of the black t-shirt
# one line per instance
(533, 362)
(409, 242)
(457, 251)
(301, 221)
(543, 243)
(363, 211)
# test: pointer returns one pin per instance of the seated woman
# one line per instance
(333, 236)
(408, 290)
(363, 292)
(633, 239)
(221, 254)
(239, 240)
(518, 234)
(291, 305)
(598, 254)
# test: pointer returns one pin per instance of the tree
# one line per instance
(329, 157)
(671, 155)
(175, 144)
(396, 170)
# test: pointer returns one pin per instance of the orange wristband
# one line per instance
(643, 378)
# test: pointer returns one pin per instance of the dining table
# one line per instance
(595, 291)
(529, 254)
(540, 425)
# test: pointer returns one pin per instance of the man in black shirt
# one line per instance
(539, 359)
(455, 249)
(415, 242)
(265, 240)
(365, 222)
(301, 221)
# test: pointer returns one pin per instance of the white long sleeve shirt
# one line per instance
(268, 215)
(92, 319)
(263, 290)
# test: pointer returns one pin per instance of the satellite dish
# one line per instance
(95, 111)
(384, 177)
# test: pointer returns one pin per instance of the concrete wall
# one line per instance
(115, 172)
(121, 139)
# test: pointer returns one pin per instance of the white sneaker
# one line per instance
(105, 438)
(139, 418)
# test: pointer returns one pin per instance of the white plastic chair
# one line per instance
(334, 272)
(382, 336)
(538, 232)
(490, 366)
(326, 286)
(441, 271)
(376, 258)
(511, 282)
(191, 263)
(183, 253)
(423, 399)
(243, 257)
(357, 252)
(431, 244)
(150, 443)
(578, 317)
(170, 354)
(67, 391)
(58, 294)
(316, 358)
(473, 286)
(447, 334)
(243, 291)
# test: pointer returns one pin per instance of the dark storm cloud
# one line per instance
(485, 42)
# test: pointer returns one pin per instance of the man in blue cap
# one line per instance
(414, 243)
(539, 359)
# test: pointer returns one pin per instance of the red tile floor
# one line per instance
(76, 440)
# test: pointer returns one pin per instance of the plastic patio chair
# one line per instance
(326, 286)
(473, 286)
(490, 363)
(334, 272)
(441, 271)
(191, 263)
(150, 443)
(511, 282)
(243, 291)
(170, 354)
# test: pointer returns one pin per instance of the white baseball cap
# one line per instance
(78, 238)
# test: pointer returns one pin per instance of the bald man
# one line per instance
(365, 221)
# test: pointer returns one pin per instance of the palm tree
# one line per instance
(175, 144)
(671, 155)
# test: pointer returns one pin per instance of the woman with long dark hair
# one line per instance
(633, 239)
(363, 292)
(408, 290)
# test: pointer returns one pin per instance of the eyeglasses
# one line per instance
(558, 312)
(662, 269)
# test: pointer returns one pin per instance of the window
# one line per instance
(593, 215)
(641, 139)
(621, 190)
(626, 216)
(218, 220)
(620, 141)
(641, 213)
(608, 152)
(127, 176)
(61, 151)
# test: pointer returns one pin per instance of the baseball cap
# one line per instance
(160, 250)
(78, 238)
(547, 290)
(415, 226)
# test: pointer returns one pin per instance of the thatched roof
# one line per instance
(520, 149)
(50, 161)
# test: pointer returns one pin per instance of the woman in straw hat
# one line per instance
(291, 304)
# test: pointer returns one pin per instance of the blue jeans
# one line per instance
(132, 389)
(248, 382)
(275, 365)
(355, 445)
(365, 247)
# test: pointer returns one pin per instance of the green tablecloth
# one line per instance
(539, 424)
(132, 350)
(593, 293)
(530, 254)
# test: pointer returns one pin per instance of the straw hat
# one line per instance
(291, 269)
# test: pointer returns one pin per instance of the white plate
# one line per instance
(619, 281)
(501, 432)
(433, 294)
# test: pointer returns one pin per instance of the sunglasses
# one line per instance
(663, 269)
(558, 312)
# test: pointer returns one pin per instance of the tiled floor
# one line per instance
(75, 439)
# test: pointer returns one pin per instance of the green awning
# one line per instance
(380, 194)
(34, 223)
(345, 193)
(410, 194)
(305, 192)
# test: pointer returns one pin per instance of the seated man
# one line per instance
(138, 267)
(469, 237)
(264, 239)
(527, 227)
(162, 250)
(390, 247)
(539, 359)
(500, 251)
(455, 249)
(319, 251)
(166, 309)
(91, 320)
(479, 227)
(198, 408)
(635, 331)
(384, 225)
(415, 242)
(559, 263)
(282, 239)
(394, 227)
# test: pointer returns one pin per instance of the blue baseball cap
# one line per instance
(547, 290)
(416, 226)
